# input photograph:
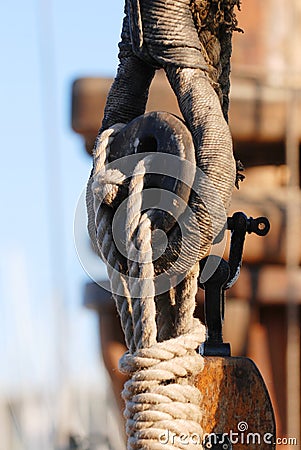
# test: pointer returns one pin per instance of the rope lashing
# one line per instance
(158, 370)
(158, 396)
(191, 40)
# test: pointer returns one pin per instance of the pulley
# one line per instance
(166, 140)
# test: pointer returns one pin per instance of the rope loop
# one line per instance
(157, 370)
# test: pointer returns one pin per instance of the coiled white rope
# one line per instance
(160, 395)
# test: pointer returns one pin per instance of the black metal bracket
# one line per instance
(239, 225)
(215, 306)
(224, 275)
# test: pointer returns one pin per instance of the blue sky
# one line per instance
(44, 46)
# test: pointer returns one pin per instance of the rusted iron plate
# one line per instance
(236, 403)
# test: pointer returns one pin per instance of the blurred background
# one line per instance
(52, 381)
(58, 61)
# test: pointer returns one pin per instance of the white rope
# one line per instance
(160, 396)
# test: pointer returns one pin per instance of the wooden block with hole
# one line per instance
(236, 404)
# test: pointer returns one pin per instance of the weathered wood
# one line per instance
(236, 402)
(257, 113)
(269, 284)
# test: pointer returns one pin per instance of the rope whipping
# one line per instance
(160, 331)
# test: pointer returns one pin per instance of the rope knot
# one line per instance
(169, 354)
(106, 185)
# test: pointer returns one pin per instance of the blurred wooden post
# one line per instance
(293, 229)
